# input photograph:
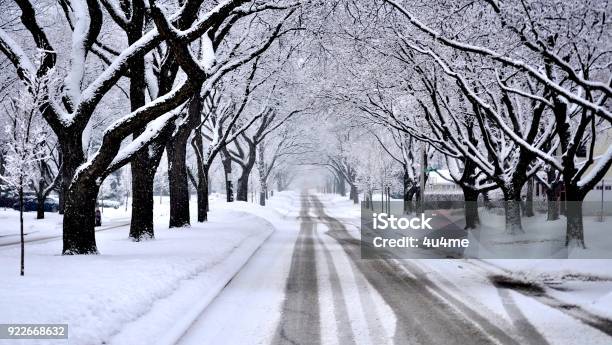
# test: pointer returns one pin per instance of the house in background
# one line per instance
(603, 190)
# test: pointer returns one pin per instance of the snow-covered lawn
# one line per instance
(541, 238)
(50, 226)
(132, 293)
(33, 228)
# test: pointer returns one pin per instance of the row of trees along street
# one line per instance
(125, 82)
(500, 93)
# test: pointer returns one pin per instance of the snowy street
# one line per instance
(332, 296)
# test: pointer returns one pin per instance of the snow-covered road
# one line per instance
(307, 284)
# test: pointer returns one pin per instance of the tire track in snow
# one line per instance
(300, 320)
(422, 317)
(529, 333)
(371, 321)
(343, 323)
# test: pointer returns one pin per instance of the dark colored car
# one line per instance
(51, 205)
(7, 199)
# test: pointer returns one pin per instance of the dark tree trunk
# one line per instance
(227, 170)
(242, 193)
(412, 192)
(79, 217)
(340, 187)
(261, 166)
(179, 190)
(419, 207)
(574, 235)
(40, 209)
(552, 203)
(486, 200)
(528, 211)
(143, 165)
(354, 194)
(71, 154)
(202, 194)
(40, 198)
(202, 183)
(407, 184)
(512, 206)
(470, 196)
(141, 225)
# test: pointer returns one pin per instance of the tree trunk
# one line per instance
(407, 196)
(354, 194)
(40, 198)
(574, 235)
(141, 225)
(79, 218)
(71, 156)
(552, 203)
(201, 184)
(176, 149)
(410, 196)
(202, 192)
(470, 196)
(528, 211)
(418, 204)
(261, 168)
(179, 189)
(280, 182)
(203, 201)
(242, 192)
(143, 164)
(340, 187)
(512, 206)
(40, 208)
(486, 200)
(227, 170)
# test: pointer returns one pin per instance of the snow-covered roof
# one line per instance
(434, 177)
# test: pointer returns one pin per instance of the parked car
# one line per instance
(7, 199)
(31, 204)
(109, 203)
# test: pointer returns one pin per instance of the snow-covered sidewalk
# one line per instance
(132, 293)
(50, 226)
